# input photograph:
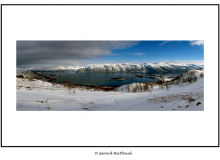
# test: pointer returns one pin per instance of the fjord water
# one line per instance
(101, 79)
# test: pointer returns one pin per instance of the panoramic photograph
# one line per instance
(110, 75)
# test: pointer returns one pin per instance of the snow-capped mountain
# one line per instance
(146, 67)
(55, 68)
(126, 67)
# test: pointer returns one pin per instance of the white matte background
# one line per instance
(109, 128)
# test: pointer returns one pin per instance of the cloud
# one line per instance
(163, 42)
(38, 53)
(197, 43)
(138, 54)
(176, 41)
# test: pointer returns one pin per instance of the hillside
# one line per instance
(182, 95)
(23, 73)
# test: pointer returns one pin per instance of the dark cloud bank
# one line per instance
(44, 53)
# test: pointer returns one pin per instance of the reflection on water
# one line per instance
(101, 79)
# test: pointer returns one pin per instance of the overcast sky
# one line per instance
(46, 53)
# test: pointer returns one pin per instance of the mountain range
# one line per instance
(126, 67)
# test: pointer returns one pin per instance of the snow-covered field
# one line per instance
(37, 95)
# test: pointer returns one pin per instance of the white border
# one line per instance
(110, 23)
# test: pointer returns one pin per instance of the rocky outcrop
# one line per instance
(34, 75)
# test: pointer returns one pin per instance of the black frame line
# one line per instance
(109, 5)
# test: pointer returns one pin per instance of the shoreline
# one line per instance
(109, 87)
(104, 88)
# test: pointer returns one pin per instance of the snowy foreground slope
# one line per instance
(37, 95)
(126, 67)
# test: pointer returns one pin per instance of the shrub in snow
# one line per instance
(201, 74)
(191, 99)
